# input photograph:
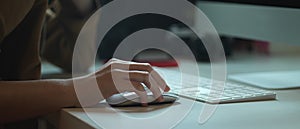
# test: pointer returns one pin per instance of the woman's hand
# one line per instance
(119, 76)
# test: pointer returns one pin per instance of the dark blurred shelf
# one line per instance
(278, 3)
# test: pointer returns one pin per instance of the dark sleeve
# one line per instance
(22, 22)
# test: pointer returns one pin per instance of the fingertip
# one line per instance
(167, 89)
(144, 101)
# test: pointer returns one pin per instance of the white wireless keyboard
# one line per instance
(230, 93)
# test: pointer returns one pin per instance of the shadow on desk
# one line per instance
(135, 109)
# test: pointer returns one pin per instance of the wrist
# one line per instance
(85, 90)
(69, 90)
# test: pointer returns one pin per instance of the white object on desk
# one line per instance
(202, 90)
(280, 114)
(270, 80)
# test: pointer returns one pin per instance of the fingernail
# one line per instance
(167, 89)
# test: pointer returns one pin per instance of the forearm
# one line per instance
(26, 99)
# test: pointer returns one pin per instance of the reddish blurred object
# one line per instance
(156, 58)
(242, 45)
(262, 47)
(164, 63)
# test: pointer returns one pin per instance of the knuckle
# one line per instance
(147, 66)
(115, 71)
(144, 74)
(140, 75)
(112, 60)
(114, 65)
(109, 66)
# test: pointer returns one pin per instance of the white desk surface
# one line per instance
(280, 114)
(277, 114)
